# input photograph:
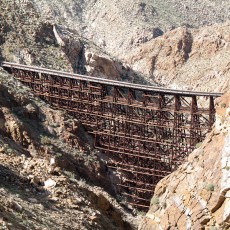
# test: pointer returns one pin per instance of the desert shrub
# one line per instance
(45, 140)
(141, 213)
(210, 187)
(198, 145)
(213, 228)
(70, 174)
(155, 200)
(223, 105)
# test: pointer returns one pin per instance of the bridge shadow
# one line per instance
(33, 124)
(87, 167)
(23, 188)
(16, 193)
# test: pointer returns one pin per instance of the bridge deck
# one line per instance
(107, 81)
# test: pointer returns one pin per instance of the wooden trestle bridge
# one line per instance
(145, 131)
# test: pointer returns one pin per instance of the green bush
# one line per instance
(227, 168)
(210, 187)
(213, 228)
(223, 105)
(45, 140)
(155, 200)
(198, 145)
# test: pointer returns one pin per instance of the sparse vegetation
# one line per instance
(7, 149)
(82, 182)
(71, 175)
(155, 200)
(223, 105)
(119, 198)
(213, 228)
(45, 140)
(58, 155)
(163, 205)
(198, 145)
(209, 187)
(141, 213)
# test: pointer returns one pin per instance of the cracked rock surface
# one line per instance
(196, 196)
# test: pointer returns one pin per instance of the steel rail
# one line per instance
(107, 81)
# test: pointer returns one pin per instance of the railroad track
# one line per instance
(107, 81)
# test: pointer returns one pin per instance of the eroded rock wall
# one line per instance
(197, 195)
(118, 26)
(186, 59)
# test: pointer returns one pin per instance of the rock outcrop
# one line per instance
(197, 195)
(118, 26)
(77, 36)
(72, 46)
(105, 67)
(186, 59)
(37, 41)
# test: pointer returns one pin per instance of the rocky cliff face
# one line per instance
(43, 41)
(118, 26)
(197, 195)
(187, 59)
(121, 40)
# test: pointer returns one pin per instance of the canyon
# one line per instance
(46, 183)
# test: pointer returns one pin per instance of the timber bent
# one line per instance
(146, 132)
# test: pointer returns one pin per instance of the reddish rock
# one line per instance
(202, 202)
